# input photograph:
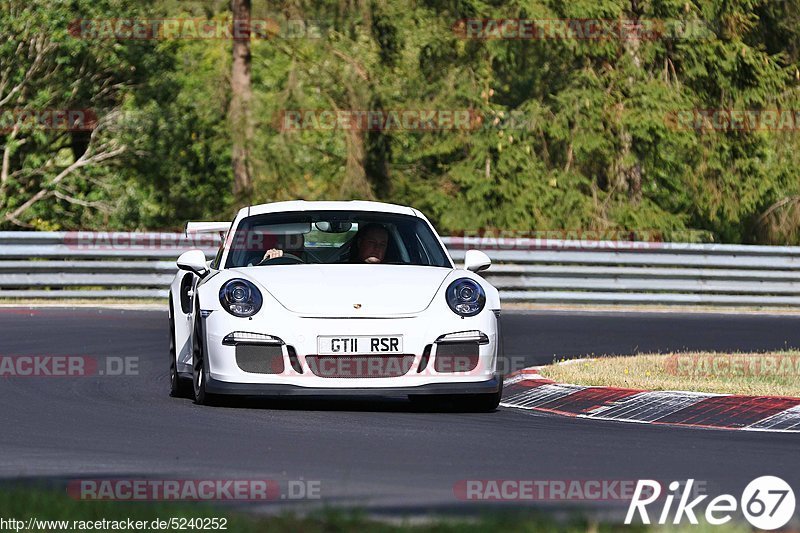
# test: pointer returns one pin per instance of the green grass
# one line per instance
(770, 374)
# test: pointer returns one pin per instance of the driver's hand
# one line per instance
(272, 253)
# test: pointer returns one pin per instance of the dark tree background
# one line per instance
(576, 133)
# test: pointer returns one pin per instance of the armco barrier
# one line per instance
(141, 265)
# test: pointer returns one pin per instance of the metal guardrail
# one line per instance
(141, 265)
(92, 265)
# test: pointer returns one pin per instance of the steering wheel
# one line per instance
(285, 259)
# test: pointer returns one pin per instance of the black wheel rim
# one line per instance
(198, 375)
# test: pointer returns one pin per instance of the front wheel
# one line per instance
(199, 369)
(483, 403)
(178, 387)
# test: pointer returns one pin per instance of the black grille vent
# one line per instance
(456, 357)
(259, 359)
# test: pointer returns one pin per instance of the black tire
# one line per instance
(486, 403)
(483, 403)
(178, 386)
(199, 368)
(458, 403)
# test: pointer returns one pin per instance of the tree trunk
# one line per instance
(631, 173)
(241, 97)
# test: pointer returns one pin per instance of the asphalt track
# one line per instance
(387, 457)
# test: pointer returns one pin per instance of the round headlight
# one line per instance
(465, 297)
(240, 298)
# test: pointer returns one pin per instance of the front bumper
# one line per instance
(298, 337)
(214, 386)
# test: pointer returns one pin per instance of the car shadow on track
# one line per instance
(366, 404)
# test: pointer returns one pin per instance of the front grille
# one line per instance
(259, 359)
(360, 366)
(456, 357)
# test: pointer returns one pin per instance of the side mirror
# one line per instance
(193, 261)
(476, 261)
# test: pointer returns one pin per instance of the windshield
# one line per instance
(334, 237)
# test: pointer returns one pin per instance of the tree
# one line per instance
(241, 98)
(58, 94)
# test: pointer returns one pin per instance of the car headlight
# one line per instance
(240, 298)
(465, 297)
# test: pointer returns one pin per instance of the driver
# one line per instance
(290, 244)
(371, 243)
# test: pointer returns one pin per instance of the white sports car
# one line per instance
(333, 298)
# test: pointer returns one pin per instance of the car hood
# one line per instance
(338, 290)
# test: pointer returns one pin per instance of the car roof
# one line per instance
(350, 205)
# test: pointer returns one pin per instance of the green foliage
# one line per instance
(573, 134)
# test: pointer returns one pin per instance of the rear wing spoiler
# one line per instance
(206, 227)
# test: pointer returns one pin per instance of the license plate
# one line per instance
(360, 345)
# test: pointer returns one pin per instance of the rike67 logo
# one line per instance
(767, 503)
